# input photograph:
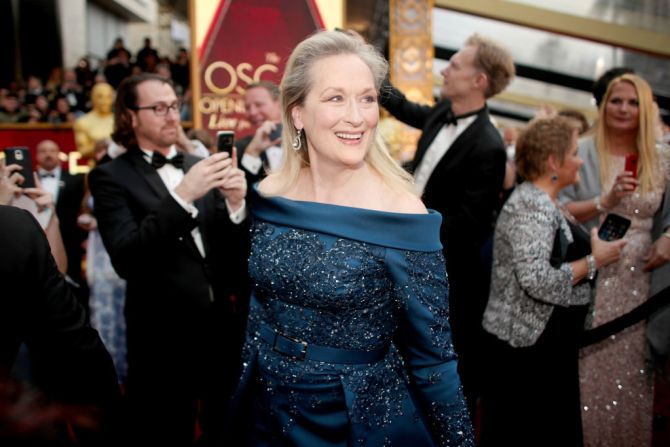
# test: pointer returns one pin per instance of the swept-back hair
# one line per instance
(296, 84)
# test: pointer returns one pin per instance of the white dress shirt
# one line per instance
(50, 184)
(253, 164)
(437, 149)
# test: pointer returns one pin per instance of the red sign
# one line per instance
(247, 41)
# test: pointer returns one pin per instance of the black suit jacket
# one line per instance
(177, 302)
(466, 183)
(68, 205)
(69, 361)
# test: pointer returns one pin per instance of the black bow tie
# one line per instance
(450, 118)
(158, 160)
(47, 175)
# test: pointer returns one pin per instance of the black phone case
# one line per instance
(614, 227)
(21, 156)
(225, 142)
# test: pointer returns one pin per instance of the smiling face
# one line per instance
(155, 132)
(340, 112)
(622, 108)
(261, 106)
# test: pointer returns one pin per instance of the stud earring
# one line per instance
(297, 141)
(554, 177)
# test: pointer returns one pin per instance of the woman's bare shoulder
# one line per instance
(404, 202)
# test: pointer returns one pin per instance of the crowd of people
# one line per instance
(66, 93)
(305, 289)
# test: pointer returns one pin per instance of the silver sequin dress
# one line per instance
(616, 387)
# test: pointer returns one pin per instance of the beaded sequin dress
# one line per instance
(352, 280)
(616, 387)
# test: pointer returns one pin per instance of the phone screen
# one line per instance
(21, 156)
(225, 140)
(613, 227)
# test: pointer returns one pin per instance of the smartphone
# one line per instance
(613, 227)
(275, 133)
(225, 141)
(21, 156)
(631, 164)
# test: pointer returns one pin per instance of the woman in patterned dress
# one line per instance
(616, 385)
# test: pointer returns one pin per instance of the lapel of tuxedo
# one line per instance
(189, 161)
(461, 145)
(433, 126)
(149, 174)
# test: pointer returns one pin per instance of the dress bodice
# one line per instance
(355, 279)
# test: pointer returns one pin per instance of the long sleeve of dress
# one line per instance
(424, 340)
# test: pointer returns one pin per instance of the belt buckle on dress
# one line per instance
(299, 355)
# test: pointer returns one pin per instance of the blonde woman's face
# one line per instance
(623, 108)
(340, 113)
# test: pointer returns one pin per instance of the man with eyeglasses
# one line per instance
(175, 228)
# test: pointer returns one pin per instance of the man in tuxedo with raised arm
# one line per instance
(459, 168)
(175, 228)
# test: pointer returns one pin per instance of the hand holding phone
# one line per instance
(21, 156)
(631, 164)
(613, 227)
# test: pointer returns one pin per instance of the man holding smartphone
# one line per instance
(175, 229)
(262, 150)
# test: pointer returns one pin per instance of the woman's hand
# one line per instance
(605, 252)
(624, 185)
(659, 254)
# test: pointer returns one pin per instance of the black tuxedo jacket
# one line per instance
(69, 361)
(466, 183)
(68, 205)
(177, 302)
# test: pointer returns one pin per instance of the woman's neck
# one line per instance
(550, 187)
(336, 186)
(621, 142)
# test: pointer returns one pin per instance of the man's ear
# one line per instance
(482, 81)
(296, 114)
(133, 118)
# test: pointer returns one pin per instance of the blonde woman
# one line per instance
(616, 390)
(348, 339)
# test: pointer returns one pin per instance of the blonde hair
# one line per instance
(295, 86)
(645, 141)
(495, 61)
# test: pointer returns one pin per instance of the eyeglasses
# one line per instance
(161, 109)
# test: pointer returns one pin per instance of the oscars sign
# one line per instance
(246, 41)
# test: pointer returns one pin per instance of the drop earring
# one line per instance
(554, 177)
(297, 141)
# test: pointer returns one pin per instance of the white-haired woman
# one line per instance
(348, 340)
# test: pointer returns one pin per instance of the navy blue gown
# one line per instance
(348, 341)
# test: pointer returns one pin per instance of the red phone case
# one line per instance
(631, 164)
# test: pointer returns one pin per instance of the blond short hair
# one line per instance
(495, 61)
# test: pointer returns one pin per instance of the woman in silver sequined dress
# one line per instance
(348, 341)
(616, 387)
